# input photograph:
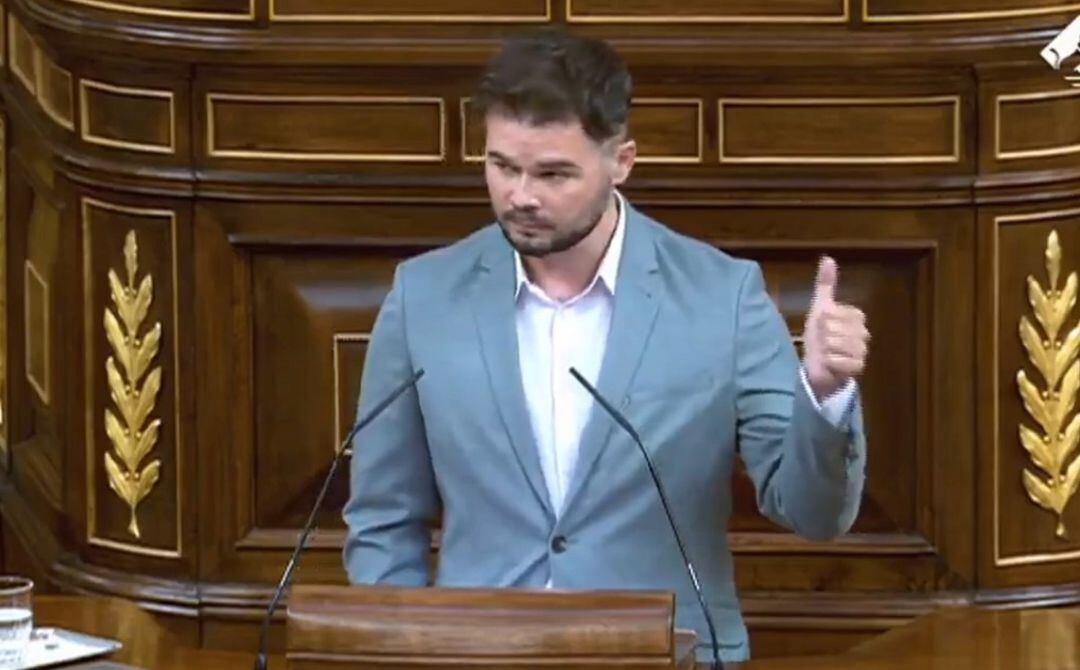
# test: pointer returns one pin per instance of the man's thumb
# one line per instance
(825, 282)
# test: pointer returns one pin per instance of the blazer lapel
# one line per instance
(633, 317)
(494, 311)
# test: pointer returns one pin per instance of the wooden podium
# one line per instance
(368, 627)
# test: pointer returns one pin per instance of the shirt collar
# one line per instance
(608, 269)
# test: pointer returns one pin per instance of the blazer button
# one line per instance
(558, 544)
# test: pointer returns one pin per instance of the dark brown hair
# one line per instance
(553, 76)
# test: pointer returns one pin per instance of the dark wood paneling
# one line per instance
(38, 336)
(55, 92)
(669, 130)
(1038, 124)
(175, 9)
(133, 249)
(709, 11)
(303, 301)
(841, 131)
(131, 118)
(1023, 533)
(926, 11)
(22, 54)
(412, 11)
(344, 128)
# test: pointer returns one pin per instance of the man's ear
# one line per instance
(624, 156)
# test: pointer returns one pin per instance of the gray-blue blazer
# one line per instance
(698, 359)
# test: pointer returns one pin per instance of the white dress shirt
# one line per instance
(554, 336)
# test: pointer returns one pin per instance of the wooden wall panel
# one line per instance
(1039, 124)
(40, 270)
(708, 11)
(22, 54)
(303, 301)
(410, 11)
(140, 119)
(5, 349)
(929, 11)
(302, 276)
(669, 130)
(206, 10)
(344, 128)
(849, 131)
(1025, 533)
(133, 432)
(349, 353)
(38, 332)
(55, 94)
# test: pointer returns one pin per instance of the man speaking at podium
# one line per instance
(535, 483)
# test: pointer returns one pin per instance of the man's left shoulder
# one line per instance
(695, 259)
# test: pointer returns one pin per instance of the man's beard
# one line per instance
(538, 248)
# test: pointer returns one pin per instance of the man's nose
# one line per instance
(521, 194)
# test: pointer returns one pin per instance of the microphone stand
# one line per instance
(625, 425)
(290, 567)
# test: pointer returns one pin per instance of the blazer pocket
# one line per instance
(681, 387)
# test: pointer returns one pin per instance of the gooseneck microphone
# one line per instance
(290, 567)
(625, 425)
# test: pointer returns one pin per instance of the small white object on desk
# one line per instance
(52, 646)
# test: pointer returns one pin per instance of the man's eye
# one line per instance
(553, 176)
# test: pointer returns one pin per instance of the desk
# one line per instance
(948, 639)
(147, 644)
(960, 639)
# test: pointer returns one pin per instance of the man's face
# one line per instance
(550, 184)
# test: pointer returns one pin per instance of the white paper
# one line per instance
(50, 646)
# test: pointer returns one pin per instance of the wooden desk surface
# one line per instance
(948, 639)
(961, 639)
(147, 644)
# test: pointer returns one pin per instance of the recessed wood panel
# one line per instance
(840, 131)
(1025, 533)
(336, 128)
(54, 90)
(22, 54)
(410, 11)
(108, 231)
(1037, 124)
(668, 130)
(131, 118)
(472, 133)
(36, 301)
(215, 10)
(306, 303)
(708, 11)
(349, 352)
(3, 35)
(925, 11)
(5, 406)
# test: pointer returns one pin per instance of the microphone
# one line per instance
(290, 567)
(625, 425)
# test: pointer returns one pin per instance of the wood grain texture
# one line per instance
(472, 628)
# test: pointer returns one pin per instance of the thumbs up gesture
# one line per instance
(835, 338)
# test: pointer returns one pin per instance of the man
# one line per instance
(536, 486)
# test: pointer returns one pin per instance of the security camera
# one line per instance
(1064, 45)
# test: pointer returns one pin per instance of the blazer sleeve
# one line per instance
(807, 473)
(393, 499)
